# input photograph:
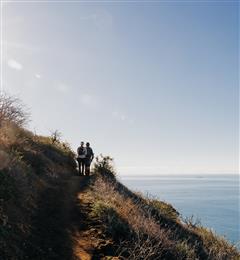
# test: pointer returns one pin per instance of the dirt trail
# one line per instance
(82, 244)
(61, 228)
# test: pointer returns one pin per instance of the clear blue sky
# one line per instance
(155, 85)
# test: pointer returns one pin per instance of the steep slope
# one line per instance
(47, 212)
(31, 166)
(137, 227)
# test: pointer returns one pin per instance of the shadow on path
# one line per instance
(57, 214)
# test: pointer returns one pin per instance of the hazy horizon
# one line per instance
(200, 175)
(154, 85)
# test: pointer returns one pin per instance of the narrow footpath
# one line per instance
(61, 227)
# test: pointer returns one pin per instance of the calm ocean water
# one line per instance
(214, 199)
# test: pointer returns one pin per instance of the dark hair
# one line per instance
(87, 144)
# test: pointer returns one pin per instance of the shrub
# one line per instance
(12, 110)
(164, 209)
(56, 136)
(104, 166)
(144, 247)
(114, 225)
(185, 251)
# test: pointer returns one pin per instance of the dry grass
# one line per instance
(218, 247)
(127, 221)
(125, 207)
(28, 164)
(145, 228)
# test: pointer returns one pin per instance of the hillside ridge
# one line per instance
(49, 212)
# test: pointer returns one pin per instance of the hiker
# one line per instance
(82, 152)
(89, 158)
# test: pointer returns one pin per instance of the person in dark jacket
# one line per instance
(88, 159)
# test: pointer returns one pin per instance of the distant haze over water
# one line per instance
(214, 199)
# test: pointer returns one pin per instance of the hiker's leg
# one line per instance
(87, 165)
(79, 166)
(82, 167)
(87, 170)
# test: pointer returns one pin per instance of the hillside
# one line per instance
(48, 212)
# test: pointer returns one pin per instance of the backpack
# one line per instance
(81, 151)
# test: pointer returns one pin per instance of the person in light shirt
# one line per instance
(81, 156)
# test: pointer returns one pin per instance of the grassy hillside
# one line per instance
(143, 228)
(29, 164)
(47, 212)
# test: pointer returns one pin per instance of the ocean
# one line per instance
(213, 199)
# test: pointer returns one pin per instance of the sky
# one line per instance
(152, 84)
